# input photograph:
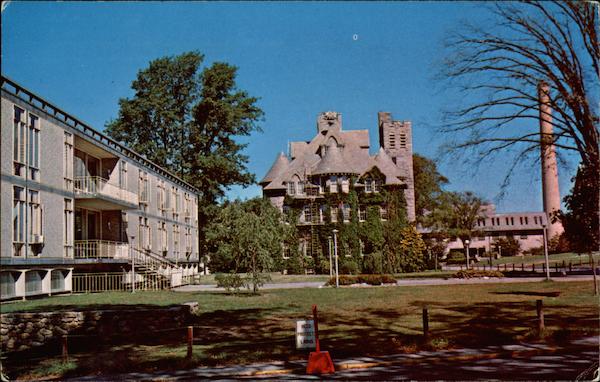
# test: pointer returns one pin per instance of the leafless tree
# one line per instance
(497, 68)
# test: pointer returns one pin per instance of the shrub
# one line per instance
(231, 281)
(474, 273)
(363, 279)
(294, 266)
(348, 267)
(373, 263)
(536, 251)
(510, 246)
(456, 257)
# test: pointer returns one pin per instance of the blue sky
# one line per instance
(299, 58)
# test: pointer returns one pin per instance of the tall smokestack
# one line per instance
(550, 190)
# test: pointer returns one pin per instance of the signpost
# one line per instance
(305, 334)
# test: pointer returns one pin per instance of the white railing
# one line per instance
(100, 249)
(95, 185)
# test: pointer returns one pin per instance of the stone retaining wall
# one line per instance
(23, 331)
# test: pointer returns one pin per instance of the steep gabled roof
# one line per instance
(333, 162)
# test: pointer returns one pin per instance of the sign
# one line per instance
(305, 334)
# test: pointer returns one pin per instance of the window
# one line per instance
(143, 187)
(33, 158)
(535, 220)
(377, 185)
(333, 185)
(19, 141)
(68, 228)
(345, 183)
(521, 220)
(18, 221)
(160, 196)
(144, 234)
(334, 214)
(35, 214)
(512, 221)
(176, 240)
(392, 140)
(300, 188)
(57, 281)
(7, 284)
(33, 282)
(368, 185)
(346, 212)
(402, 140)
(383, 213)
(188, 241)
(68, 162)
(526, 220)
(506, 220)
(163, 245)
(307, 214)
(176, 203)
(123, 174)
(362, 214)
(291, 188)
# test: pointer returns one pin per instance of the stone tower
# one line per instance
(550, 190)
(396, 139)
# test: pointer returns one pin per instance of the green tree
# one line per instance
(428, 185)
(187, 120)
(456, 216)
(247, 237)
(510, 246)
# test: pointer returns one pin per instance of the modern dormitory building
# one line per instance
(81, 212)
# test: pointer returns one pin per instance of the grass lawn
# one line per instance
(353, 322)
(556, 258)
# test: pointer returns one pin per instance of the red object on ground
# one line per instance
(319, 362)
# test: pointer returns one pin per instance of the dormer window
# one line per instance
(300, 188)
(368, 185)
(333, 185)
(291, 188)
(372, 185)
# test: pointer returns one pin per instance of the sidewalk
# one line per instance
(507, 362)
(404, 282)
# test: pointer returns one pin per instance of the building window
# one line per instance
(377, 185)
(346, 212)
(35, 215)
(402, 140)
(362, 214)
(521, 220)
(33, 159)
(526, 220)
(368, 185)
(68, 162)
(334, 214)
(383, 213)
(307, 214)
(176, 240)
(68, 228)
(176, 203)
(160, 196)
(188, 242)
(33, 282)
(7, 284)
(333, 185)
(535, 220)
(506, 221)
(143, 187)
(18, 221)
(163, 245)
(392, 140)
(291, 188)
(144, 234)
(123, 174)
(57, 281)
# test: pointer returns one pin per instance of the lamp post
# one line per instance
(337, 275)
(467, 248)
(330, 262)
(546, 252)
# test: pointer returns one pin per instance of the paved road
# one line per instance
(405, 282)
(507, 362)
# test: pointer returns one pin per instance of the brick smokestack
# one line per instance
(550, 190)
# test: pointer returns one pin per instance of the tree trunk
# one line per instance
(594, 273)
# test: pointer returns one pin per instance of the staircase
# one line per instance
(152, 270)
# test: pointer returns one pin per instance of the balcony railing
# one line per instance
(100, 249)
(97, 186)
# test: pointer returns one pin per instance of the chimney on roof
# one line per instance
(329, 120)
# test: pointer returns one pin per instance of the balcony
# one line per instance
(96, 192)
(100, 249)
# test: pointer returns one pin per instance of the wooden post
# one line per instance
(190, 341)
(540, 316)
(594, 273)
(316, 322)
(65, 349)
(425, 323)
